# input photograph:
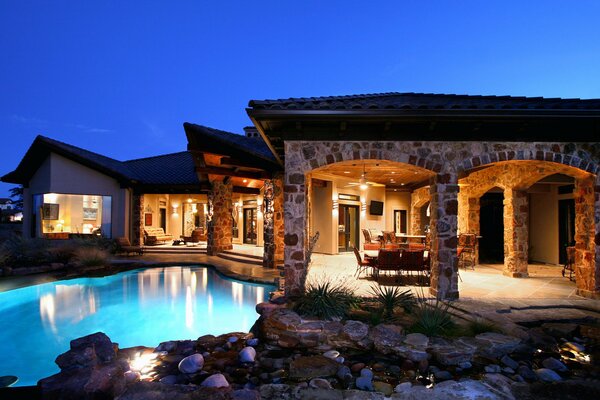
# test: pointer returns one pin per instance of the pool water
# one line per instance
(141, 307)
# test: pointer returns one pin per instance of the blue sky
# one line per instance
(120, 78)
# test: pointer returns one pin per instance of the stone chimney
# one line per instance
(251, 132)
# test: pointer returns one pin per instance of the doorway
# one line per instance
(566, 227)
(249, 226)
(491, 222)
(163, 218)
(348, 228)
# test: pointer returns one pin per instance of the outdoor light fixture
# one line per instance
(363, 183)
(335, 204)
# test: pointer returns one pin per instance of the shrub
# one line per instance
(91, 256)
(17, 252)
(479, 325)
(391, 298)
(432, 318)
(326, 300)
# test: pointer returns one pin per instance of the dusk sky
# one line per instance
(120, 78)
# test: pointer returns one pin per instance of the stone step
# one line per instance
(175, 250)
(239, 253)
(242, 258)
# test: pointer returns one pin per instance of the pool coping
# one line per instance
(116, 266)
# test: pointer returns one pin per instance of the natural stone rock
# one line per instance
(132, 376)
(492, 369)
(275, 391)
(416, 339)
(499, 382)
(87, 351)
(554, 364)
(191, 364)
(158, 391)
(383, 387)
(168, 380)
(333, 354)
(362, 395)
(307, 367)
(575, 346)
(442, 375)
(319, 383)
(526, 372)
(252, 342)
(215, 381)
(247, 355)
(509, 362)
(387, 337)
(559, 330)
(245, 394)
(452, 352)
(547, 375)
(496, 344)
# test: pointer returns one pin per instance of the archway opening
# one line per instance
(491, 242)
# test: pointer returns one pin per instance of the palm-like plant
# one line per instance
(391, 298)
(326, 300)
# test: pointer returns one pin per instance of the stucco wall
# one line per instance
(58, 174)
(396, 201)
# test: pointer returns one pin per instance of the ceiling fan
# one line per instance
(363, 182)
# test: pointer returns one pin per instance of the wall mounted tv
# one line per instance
(376, 207)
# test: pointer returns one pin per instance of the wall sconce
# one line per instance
(335, 205)
(174, 208)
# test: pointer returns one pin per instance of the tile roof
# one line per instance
(250, 145)
(424, 101)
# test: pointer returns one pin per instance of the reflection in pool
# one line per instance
(142, 307)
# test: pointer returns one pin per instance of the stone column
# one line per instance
(587, 236)
(443, 220)
(268, 225)
(220, 222)
(295, 212)
(418, 199)
(473, 210)
(137, 220)
(516, 233)
(278, 228)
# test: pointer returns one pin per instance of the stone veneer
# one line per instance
(220, 221)
(419, 197)
(273, 230)
(137, 223)
(448, 161)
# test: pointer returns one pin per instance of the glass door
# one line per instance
(348, 228)
(250, 226)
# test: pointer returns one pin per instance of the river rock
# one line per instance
(247, 355)
(308, 367)
(553, 364)
(191, 364)
(547, 375)
(332, 354)
(215, 381)
(492, 369)
(252, 342)
(442, 375)
(245, 394)
(387, 337)
(417, 340)
(509, 362)
(383, 387)
(526, 372)
(319, 383)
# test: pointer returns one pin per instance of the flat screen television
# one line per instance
(376, 207)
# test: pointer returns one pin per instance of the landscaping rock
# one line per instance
(547, 375)
(362, 395)
(442, 375)
(308, 367)
(554, 364)
(319, 383)
(355, 331)
(158, 391)
(275, 391)
(527, 374)
(387, 337)
(500, 383)
(575, 346)
(496, 345)
(88, 351)
(332, 354)
(452, 352)
(403, 387)
(559, 330)
(191, 364)
(509, 362)
(417, 340)
(252, 342)
(215, 381)
(247, 355)
(492, 369)
(245, 394)
(383, 387)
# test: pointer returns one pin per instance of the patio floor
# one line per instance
(485, 282)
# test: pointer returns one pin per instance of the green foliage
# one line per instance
(63, 253)
(326, 300)
(391, 297)
(18, 252)
(91, 256)
(432, 318)
(479, 325)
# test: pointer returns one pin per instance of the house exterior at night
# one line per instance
(521, 173)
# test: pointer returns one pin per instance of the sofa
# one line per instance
(154, 236)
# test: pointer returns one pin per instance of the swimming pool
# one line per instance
(140, 307)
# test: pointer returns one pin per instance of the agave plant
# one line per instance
(391, 297)
(432, 317)
(327, 300)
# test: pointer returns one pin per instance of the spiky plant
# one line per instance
(432, 317)
(91, 256)
(327, 300)
(391, 297)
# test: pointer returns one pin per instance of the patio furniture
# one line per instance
(195, 238)
(569, 267)
(154, 235)
(465, 251)
(387, 261)
(361, 265)
(370, 243)
(415, 262)
(125, 246)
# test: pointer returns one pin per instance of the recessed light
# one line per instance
(245, 180)
(402, 184)
(346, 172)
(393, 172)
(395, 190)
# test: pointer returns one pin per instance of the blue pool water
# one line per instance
(141, 307)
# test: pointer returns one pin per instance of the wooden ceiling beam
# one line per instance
(245, 190)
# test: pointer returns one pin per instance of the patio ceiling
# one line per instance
(388, 173)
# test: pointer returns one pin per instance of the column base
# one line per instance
(589, 294)
(512, 274)
(449, 295)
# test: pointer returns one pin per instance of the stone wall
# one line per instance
(448, 160)
(587, 272)
(273, 230)
(220, 221)
(137, 220)
(516, 233)
(418, 199)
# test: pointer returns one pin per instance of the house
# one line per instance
(521, 173)
(6, 204)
